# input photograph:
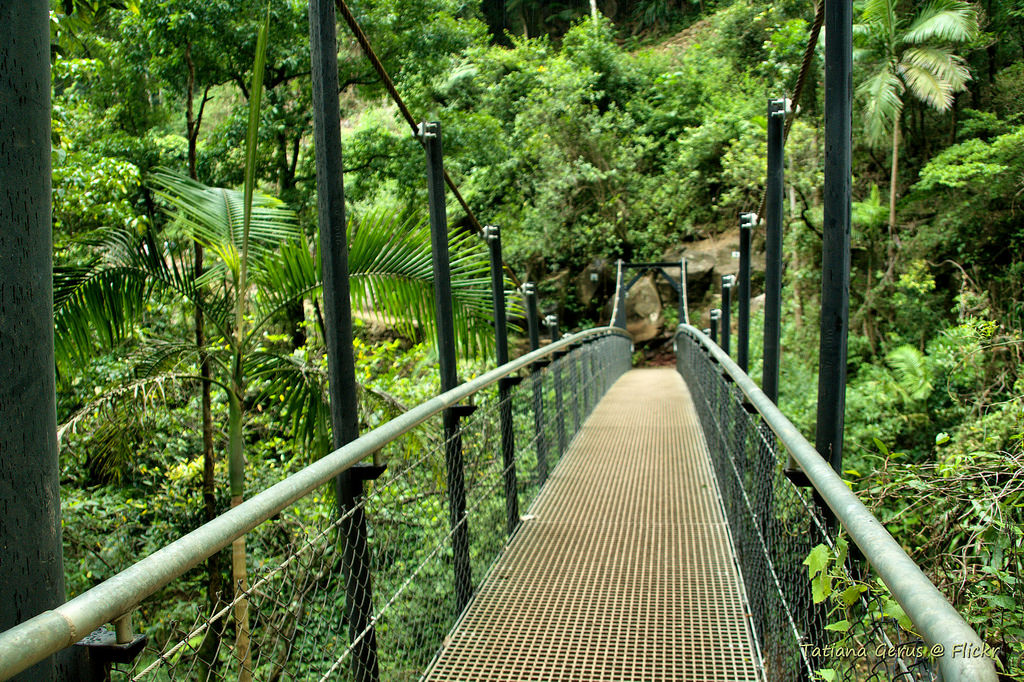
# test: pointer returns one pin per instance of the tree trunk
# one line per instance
(214, 576)
(239, 575)
(31, 567)
(892, 244)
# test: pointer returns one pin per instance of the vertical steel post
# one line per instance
(431, 134)
(683, 311)
(577, 387)
(726, 311)
(835, 257)
(715, 315)
(552, 321)
(31, 570)
(533, 327)
(493, 236)
(773, 250)
(743, 294)
(338, 336)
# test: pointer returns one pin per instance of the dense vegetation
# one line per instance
(626, 136)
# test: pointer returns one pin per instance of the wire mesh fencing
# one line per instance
(371, 592)
(816, 611)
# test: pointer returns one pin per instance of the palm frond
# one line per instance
(872, 212)
(910, 372)
(391, 270)
(99, 303)
(287, 275)
(883, 102)
(215, 217)
(300, 386)
(882, 13)
(933, 74)
(952, 21)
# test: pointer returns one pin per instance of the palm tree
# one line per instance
(914, 55)
(390, 264)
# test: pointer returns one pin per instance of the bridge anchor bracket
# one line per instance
(798, 478)
(104, 650)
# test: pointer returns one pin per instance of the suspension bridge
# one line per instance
(644, 528)
(561, 517)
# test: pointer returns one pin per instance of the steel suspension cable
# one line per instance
(805, 68)
(389, 85)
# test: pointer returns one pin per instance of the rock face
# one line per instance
(644, 318)
(598, 276)
(706, 261)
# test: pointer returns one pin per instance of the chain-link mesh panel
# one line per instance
(781, 537)
(393, 550)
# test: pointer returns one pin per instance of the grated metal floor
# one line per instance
(622, 570)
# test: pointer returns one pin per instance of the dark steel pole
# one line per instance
(743, 294)
(552, 321)
(338, 335)
(31, 567)
(715, 315)
(835, 257)
(493, 236)
(726, 311)
(533, 326)
(682, 293)
(431, 134)
(773, 251)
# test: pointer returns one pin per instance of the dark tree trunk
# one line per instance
(495, 14)
(32, 567)
(214, 565)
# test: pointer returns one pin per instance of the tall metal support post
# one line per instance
(533, 327)
(716, 315)
(773, 250)
(743, 294)
(727, 281)
(493, 236)
(552, 322)
(338, 336)
(31, 568)
(684, 316)
(431, 134)
(835, 257)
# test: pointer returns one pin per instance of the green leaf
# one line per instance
(839, 626)
(817, 560)
(821, 587)
(852, 594)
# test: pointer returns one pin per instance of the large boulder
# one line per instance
(644, 318)
(599, 275)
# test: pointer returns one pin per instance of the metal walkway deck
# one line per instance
(622, 570)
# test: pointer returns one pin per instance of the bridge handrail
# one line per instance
(51, 631)
(938, 622)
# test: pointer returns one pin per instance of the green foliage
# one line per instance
(911, 55)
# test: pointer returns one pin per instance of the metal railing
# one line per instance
(813, 609)
(297, 594)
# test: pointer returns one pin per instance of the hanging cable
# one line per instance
(389, 85)
(805, 68)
